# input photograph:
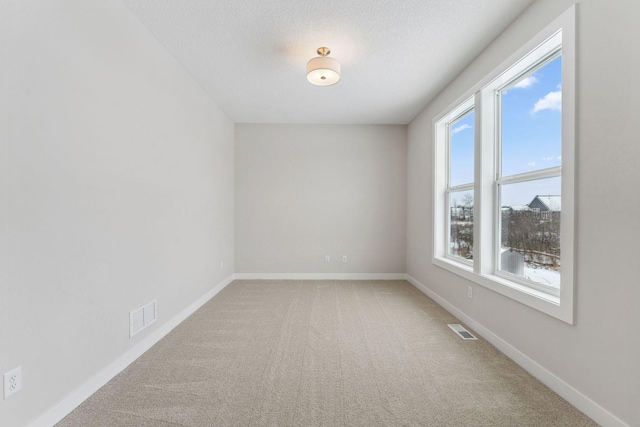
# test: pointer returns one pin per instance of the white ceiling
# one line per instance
(250, 55)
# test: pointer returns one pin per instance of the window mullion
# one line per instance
(485, 177)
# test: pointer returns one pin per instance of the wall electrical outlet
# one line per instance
(327, 258)
(470, 292)
(344, 258)
(221, 265)
(12, 381)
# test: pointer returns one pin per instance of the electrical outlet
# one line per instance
(344, 258)
(327, 258)
(221, 265)
(470, 292)
(12, 381)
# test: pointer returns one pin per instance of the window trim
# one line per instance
(482, 98)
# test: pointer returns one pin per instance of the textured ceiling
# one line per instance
(250, 55)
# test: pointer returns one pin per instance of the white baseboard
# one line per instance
(566, 391)
(72, 401)
(320, 276)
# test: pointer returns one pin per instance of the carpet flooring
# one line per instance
(322, 353)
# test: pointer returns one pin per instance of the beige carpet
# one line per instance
(323, 353)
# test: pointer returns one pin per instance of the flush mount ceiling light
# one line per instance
(323, 71)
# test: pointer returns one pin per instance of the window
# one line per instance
(504, 176)
(529, 143)
(460, 147)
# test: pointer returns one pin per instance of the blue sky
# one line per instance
(531, 135)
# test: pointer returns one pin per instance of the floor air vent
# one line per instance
(458, 329)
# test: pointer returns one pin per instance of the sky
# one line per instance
(531, 135)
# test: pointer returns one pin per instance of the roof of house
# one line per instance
(520, 207)
(553, 203)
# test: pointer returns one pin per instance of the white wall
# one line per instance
(4, 186)
(119, 191)
(597, 356)
(306, 191)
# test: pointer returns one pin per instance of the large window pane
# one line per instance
(531, 121)
(461, 141)
(530, 230)
(461, 224)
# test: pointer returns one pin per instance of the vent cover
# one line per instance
(461, 331)
(142, 317)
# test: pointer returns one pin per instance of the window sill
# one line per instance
(545, 303)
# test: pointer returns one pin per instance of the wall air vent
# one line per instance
(461, 331)
(142, 317)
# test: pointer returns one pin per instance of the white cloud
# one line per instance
(461, 128)
(547, 158)
(526, 82)
(551, 101)
(531, 164)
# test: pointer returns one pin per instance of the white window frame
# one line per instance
(541, 56)
(482, 97)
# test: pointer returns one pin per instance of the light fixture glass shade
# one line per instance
(323, 71)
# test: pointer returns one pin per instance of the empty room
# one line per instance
(339, 213)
